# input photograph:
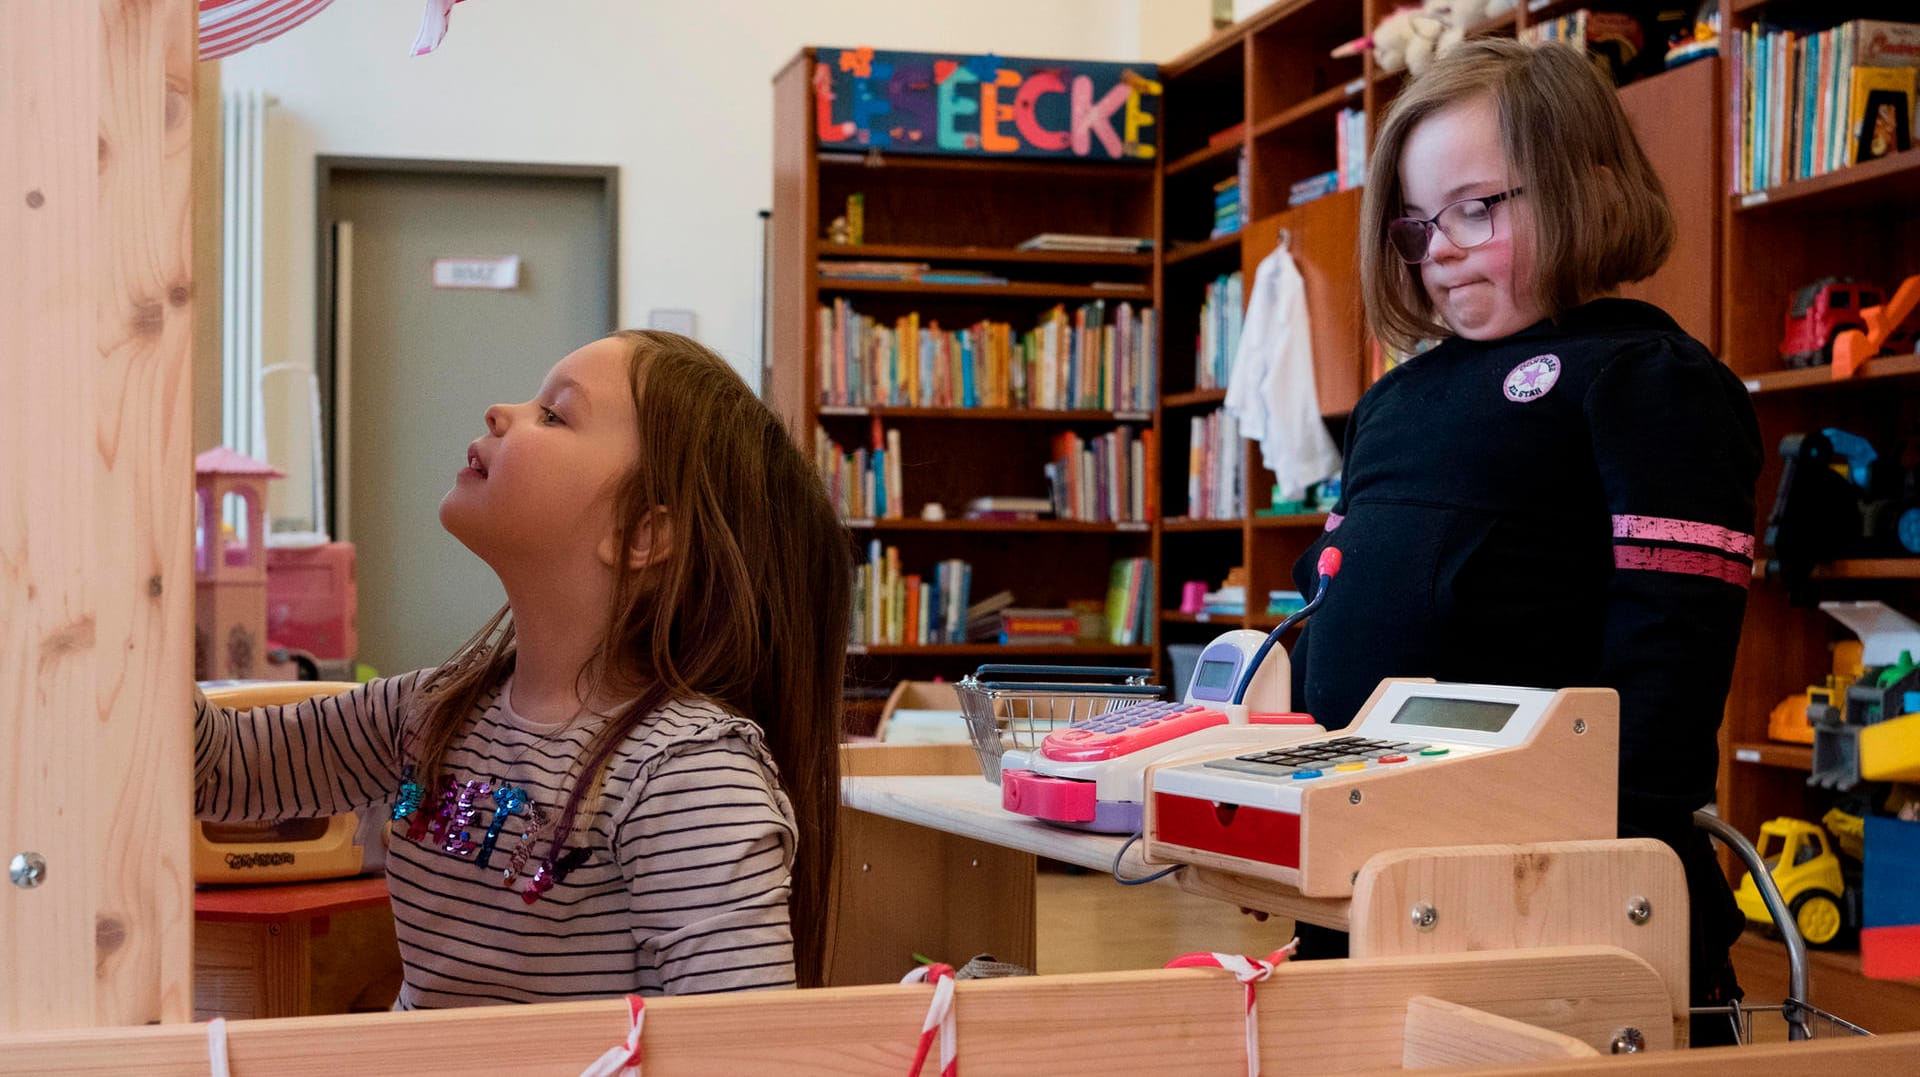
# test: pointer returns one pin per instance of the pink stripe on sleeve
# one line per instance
(1692, 532)
(1683, 562)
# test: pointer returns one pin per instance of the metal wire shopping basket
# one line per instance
(1804, 1020)
(1016, 706)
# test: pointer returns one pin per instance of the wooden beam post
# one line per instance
(96, 579)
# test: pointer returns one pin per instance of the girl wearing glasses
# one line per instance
(1560, 493)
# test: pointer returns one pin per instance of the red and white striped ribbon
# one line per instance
(939, 1016)
(623, 1059)
(228, 26)
(1249, 971)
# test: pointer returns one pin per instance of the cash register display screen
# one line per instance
(1217, 676)
(1475, 714)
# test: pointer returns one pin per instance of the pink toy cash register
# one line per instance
(1090, 775)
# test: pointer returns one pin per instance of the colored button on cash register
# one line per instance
(1303, 775)
(1126, 730)
(1351, 766)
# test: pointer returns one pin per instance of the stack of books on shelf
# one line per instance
(1072, 243)
(1216, 473)
(1221, 316)
(1230, 600)
(1102, 480)
(1313, 187)
(1227, 600)
(1096, 356)
(1130, 612)
(960, 276)
(1350, 141)
(1229, 211)
(1039, 626)
(983, 617)
(1000, 507)
(1285, 603)
(893, 271)
(1806, 104)
(891, 607)
(865, 483)
(908, 272)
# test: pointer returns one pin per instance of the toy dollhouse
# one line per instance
(230, 566)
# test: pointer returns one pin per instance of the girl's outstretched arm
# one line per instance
(319, 757)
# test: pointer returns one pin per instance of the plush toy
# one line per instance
(1411, 37)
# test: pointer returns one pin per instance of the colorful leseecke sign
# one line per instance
(922, 102)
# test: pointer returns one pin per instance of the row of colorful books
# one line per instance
(1102, 479)
(1809, 103)
(892, 607)
(1221, 316)
(1096, 355)
(1216, 468)
(863, 483)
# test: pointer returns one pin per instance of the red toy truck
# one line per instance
(1822, 311)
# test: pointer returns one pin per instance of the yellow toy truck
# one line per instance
(1804, 866)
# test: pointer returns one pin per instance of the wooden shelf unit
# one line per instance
(951, 455)
(1863, 222)
(1274, 75)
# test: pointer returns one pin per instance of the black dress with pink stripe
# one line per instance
(1572, 505)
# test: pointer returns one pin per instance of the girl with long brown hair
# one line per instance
(627, 781)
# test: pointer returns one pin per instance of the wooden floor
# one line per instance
(1086, 922)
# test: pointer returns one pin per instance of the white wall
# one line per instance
(675, 92)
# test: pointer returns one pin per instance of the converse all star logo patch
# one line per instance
(1532, 379)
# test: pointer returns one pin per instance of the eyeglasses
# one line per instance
(1467, 223)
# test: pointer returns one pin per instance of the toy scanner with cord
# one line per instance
(1090, 774)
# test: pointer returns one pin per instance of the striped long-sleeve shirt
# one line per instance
(675, 880)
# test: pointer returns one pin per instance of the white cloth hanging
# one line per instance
(1271, 389)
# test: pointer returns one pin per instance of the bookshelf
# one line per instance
(1736, 260)
(1860, 221)
(968, 214)
(1269, 88)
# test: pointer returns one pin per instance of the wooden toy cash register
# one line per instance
(1424, 764)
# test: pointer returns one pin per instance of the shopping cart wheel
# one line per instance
(1818, 916)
